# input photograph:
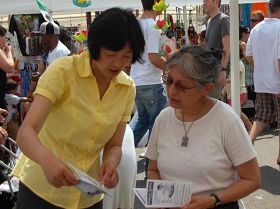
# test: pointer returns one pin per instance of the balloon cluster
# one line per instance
(82, 3)
(160, 6)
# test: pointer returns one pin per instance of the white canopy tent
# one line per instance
(66, 6)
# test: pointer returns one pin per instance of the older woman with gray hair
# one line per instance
(200, 139)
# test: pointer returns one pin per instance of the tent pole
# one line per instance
(234, 56)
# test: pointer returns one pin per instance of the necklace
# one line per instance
(185, 138)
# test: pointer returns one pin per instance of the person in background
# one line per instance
(54, 48)
(218, 39)
(193, 36)
(243, 90)
(256, 17)
(6, 64)
(150, 93)
(263, 50)
(12, 99)
(202, 41)
(81, 106)
(182, 138)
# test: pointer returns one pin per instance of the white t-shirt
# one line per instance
(146, 73)
(59, 51)
(217, 142)
(12, 100)
(264, 45)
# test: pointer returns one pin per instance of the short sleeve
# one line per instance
(52, 83)
(225, 26)
(151, 151)
(238, 145)
(130, 103)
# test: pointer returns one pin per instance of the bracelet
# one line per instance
(223, 69)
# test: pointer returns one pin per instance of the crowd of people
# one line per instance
(81, 105)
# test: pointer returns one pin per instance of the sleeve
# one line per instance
(151, 152)
(52, 83)
(238, 145)
(153, 39)
(249, 49)
(225, 26)
(13, 99)
(130, 103)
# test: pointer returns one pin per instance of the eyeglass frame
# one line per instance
(255, 20)
(178, 86)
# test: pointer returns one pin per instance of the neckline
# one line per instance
(199, 119)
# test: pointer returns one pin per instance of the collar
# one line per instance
(82, 65)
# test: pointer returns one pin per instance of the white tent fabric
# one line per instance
(66, 6)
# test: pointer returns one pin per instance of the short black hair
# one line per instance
(148, 4)
(112, 29)
(3, 31)
(274, 6)
(11, 85)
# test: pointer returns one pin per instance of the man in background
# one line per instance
(263, 48)
(150, 94)
(53, 48)
(218, 39)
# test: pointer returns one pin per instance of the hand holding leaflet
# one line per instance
(87, 184)
(161, 193)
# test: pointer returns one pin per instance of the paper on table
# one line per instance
(87, 184)
(161, 193)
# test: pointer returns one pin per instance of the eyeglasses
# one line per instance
(168, 81)
(255, 20)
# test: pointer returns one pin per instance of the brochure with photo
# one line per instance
(87, 184)
(161, 193)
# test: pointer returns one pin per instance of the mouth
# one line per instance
(115, 72)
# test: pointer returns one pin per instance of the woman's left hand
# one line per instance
(200, 202)
(108, 175)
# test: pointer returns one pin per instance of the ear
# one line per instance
(207, 88)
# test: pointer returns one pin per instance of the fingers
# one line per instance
(71, 179)
(110, 179)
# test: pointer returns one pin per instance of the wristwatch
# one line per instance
(217, 199)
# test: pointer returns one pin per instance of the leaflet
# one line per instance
(161, 193)
(87, 184)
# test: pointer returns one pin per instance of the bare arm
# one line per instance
(6, 59)
(55, 170)
(249, 181)
(112, 154)
(153, 172)
(157, 61)
(226, 50)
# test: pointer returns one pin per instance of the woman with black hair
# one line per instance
(81, 106)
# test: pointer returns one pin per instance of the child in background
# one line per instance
(12, 100)
(243, 91)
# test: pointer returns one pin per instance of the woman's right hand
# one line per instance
(57, 173)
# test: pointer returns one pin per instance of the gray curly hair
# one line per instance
(195, 62)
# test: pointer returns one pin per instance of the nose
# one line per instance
(120, 63)
(172, 91)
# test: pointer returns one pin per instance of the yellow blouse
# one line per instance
(78, 126)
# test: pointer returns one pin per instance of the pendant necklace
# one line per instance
(185, 138)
